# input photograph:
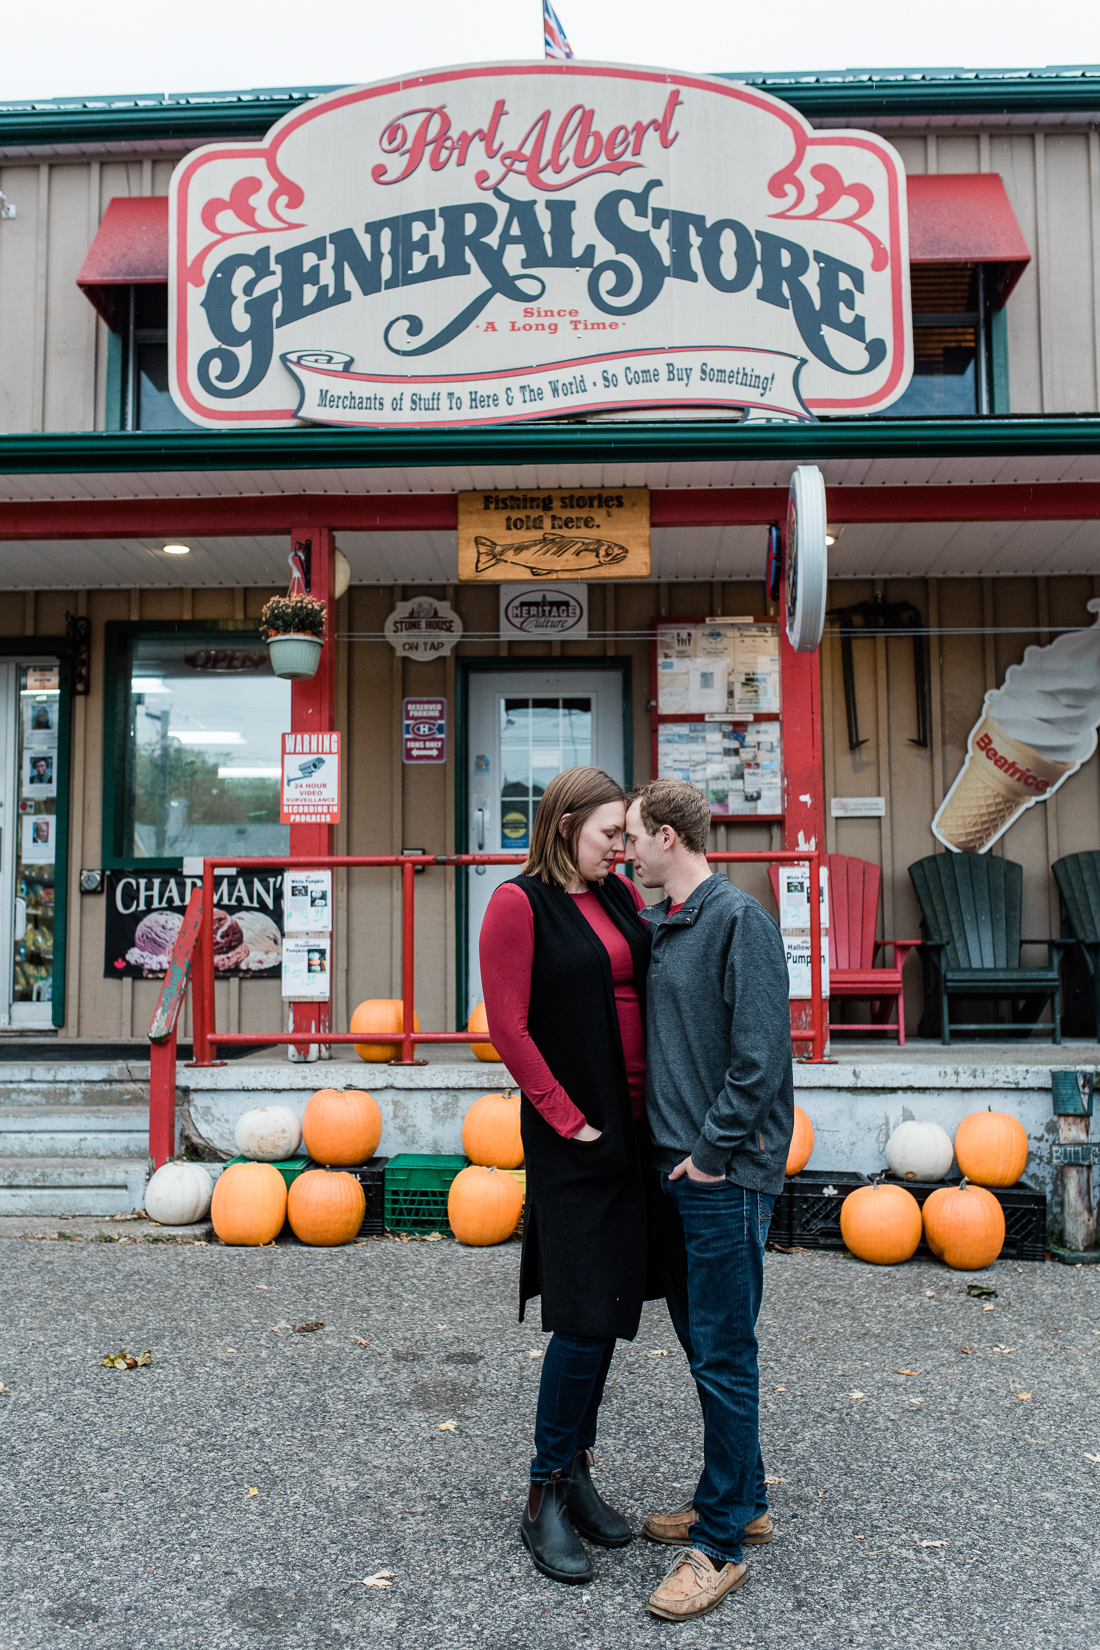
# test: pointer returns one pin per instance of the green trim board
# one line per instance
(464, 669)
(1000, 398)
(830, 94)
(106, 452)
(117, 636)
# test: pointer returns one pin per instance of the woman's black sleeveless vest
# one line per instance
(584, 1233)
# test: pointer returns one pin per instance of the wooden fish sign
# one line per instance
(574, 534)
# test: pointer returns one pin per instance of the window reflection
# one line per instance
(538, 739)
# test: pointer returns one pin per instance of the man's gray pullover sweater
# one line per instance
(719, 1079)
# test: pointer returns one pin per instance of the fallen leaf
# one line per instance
(253, 1491)
(537, 1353)
(856, 1395)
(359, 1341)
(968, 1350)
(231, 1349)
(929, 1295)
(916, 1400)
(1005, 1350)
(306, 1328)
(383, 1578)
(1089, 1457)
(774, 1480)
(434, 1237)
(658, 1354)
(933, 1543)
(981, 1291)
(907, 1372)
(125, 1360)
(780, 1389)
(989, 1309)
(146, 1358)
(3, 1388)
(1022, 1395)
(448, 1426)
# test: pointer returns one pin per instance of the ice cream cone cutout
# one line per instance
(1032, 734)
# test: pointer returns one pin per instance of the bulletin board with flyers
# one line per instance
(716, 712)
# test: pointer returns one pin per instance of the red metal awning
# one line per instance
(130, 249)
(966, 218)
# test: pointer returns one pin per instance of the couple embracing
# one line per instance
(652, 1047)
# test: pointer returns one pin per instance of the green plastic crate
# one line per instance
(290, 1168)
(417, 1184)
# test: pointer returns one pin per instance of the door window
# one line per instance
(538, 739)
(35, 836)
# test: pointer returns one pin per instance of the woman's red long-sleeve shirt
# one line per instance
(507, 948)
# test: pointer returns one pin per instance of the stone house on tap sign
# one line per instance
(526, 396)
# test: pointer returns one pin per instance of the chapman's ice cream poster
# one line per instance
(1032, 734)
(144, 915)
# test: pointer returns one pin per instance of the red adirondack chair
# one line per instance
(853, 910)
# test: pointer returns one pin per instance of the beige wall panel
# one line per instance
(1014, 158)
(957, 154)
(1067, 287)
(70, 318)
(162, 174)
(912, 151)
(119, 178)
(18, 263)
(368, 782)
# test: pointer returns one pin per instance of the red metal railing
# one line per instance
(206, 1037)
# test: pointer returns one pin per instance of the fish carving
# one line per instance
(551, 555)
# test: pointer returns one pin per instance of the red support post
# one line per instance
(408, 963)
(202, 978)
(162, 1100)
(804, 806)
(312, 707)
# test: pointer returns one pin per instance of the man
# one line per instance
(720, 1102)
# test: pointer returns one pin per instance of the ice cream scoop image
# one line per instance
(264, 942)
(1033, 733)
(154, 937)
(230, 949)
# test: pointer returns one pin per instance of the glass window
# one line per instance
(949, 332)
(538, 738)
(35, 838)
(202, 773)
(147, 400)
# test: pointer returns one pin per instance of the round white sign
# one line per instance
(806, 559)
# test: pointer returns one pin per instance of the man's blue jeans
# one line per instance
(711, 1237)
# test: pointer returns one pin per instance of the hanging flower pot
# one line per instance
(295, 656)
(294, 628)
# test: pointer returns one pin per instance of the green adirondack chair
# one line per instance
(1078, 879)
(971, 907)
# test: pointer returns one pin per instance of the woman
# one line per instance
(563, 964)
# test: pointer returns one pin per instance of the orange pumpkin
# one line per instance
(483, 1206)
(490, 1134)
(379, 1014)
(325, 1207)
(964, 1226)
(249, 1204)
(881, 1224)
(342, 1126)
(802, 1143)
(479, 1021)
(991, 1148)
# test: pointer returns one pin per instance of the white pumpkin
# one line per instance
(179, 1194)
(919, 1151)
(269, 1134)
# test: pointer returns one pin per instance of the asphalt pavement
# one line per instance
(936, 1463)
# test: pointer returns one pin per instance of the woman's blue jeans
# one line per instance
(573, 1376)
(711, 1237)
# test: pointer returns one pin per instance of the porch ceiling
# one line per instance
(862, 550)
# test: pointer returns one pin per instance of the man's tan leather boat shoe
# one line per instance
(675, 1528)
(694, 1586)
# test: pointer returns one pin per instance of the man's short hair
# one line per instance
(676, 803)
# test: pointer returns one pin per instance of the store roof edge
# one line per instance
(148, 452)
(859, 93)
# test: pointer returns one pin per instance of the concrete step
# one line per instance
(100, 1083)
(71, 1185)
(71, 1131)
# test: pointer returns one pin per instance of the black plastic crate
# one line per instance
(813, 1200)
(1025, 1211)
(372, 1177)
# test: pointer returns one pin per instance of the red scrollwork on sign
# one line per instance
(245, 216)
(833, 190)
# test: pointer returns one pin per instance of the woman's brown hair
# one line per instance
(577, 792)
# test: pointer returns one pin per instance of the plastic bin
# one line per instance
(1025, 1212)
(813, 1200)
(417, 1184)
(290, 1167)
(372, 1177)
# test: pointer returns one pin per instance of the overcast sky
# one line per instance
(72, 47)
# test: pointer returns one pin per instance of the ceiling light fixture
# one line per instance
(177, 549)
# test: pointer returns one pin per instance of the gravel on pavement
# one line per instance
(935, 1457)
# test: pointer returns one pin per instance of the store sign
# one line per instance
(424, 730)
(310, 792)
(539, 536)
(558, 613)
(806, 559)
(423, 629)
(517, 241)
(144, 913)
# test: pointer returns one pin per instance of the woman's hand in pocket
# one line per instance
(588, 1133)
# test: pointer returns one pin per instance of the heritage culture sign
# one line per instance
(515, 241)
(598, 533)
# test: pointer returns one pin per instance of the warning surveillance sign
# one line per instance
(311, 779)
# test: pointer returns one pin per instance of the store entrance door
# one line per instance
(29, 750)
(524, 727)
